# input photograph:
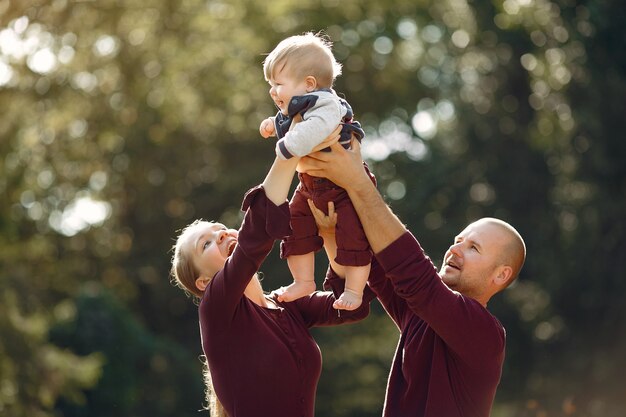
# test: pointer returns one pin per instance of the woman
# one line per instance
(261, 357)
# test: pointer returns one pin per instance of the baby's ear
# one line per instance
(202, 282)
(311, 83)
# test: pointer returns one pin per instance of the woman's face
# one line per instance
(209, 245)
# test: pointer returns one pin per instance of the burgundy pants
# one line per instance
(352, 246)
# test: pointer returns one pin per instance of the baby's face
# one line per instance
(283, 86)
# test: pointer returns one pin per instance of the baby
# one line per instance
(301, 71)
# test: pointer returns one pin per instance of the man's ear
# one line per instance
(311, 83)
(202, 282)
(504, 275)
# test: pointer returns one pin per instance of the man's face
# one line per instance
(470, 263)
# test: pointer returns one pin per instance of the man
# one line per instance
(449, 358)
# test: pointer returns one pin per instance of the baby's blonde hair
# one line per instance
(304, 55)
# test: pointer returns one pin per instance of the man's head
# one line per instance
(485, 258)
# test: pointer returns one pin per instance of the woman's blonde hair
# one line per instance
(304, 55)
(184, 273)
(213, 404)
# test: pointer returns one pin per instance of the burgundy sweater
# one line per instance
(264, 361)
(449, 358)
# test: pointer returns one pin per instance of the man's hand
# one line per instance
(345, 168)
(341, 166)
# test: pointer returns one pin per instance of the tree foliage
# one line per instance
(121, 121)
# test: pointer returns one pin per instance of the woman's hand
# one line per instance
(326, 228)
(325, 222)
(330, 139)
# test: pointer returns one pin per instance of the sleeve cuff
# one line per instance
(333, 283)
(282, 151)
(277, 218)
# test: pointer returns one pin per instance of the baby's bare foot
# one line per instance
(349, 300)
(296, 290)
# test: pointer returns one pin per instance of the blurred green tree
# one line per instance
(143, 375)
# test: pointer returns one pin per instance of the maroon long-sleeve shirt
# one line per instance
(263, 361)
(449, 358)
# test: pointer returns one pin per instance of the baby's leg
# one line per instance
(302, 268)
(352, 297)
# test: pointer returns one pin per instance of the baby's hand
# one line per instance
(267, 128)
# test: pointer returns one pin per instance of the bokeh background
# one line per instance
(121, 121)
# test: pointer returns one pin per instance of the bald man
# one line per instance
(449, 357)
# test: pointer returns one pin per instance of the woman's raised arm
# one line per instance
(278, 179)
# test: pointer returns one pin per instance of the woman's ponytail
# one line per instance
(213, 403)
